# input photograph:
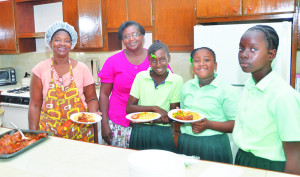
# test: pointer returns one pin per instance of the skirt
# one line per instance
(152, 137)
(120, 135)
(248, 159)
(214, 148)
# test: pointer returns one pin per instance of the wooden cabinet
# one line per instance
(174, 23)
(86, 17)
(119, 11)
(7, 27)
(218, 8)
(255, 7)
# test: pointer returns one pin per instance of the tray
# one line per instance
(6, 156)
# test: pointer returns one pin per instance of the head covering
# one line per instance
(59, 25)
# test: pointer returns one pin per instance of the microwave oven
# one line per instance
(8, 76)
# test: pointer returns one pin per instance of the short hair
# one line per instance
(156, 46)
(271, 35)
(127, 24)
(209, 49)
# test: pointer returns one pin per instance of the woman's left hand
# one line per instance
(200, 126)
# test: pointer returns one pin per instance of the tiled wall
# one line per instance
(25, 62)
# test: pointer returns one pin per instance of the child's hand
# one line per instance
(164, 115)
(200, 126)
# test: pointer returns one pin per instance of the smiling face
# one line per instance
(254, 56)
(159, 64)
(132, 38)
(204, 64)
(61, 44)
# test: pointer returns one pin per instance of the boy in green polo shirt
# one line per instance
(155, 90)
(267, 127)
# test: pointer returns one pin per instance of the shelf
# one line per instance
(32, 35)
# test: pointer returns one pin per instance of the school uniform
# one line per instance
(144, 88)
(217, 102)
(268, 115)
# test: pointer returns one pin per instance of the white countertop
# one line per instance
(57, 157)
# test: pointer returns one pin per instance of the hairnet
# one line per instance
(59, 25)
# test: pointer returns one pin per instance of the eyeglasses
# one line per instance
(134, 35)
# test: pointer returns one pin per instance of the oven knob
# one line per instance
(13, 79)
(12, 71)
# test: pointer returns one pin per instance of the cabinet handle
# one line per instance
(249, 8)
(234, 9)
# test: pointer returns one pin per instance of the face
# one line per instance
(61, 44)
(132, 38)
(254, 56)
(159, 64)
(204, 64)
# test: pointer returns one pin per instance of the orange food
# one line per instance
(135, 116)
(12, 143)
(85, 118)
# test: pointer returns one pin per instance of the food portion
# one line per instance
(12, 143)
(85, 117)
(144, 115)
(186, 115)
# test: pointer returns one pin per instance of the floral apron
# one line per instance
(61, 102)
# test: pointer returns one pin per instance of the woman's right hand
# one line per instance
(106, 133)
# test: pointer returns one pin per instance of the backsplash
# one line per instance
(25, 62)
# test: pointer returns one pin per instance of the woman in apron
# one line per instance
(60, 87)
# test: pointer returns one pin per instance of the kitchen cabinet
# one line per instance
(174, 23)
(86, 17)
(119, 11)
(7, 27)
(229, 8)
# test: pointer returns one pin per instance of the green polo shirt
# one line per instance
(269, 113)
(163, 95)
(217, 102)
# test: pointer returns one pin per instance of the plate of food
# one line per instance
(85, 118)
(185, 116)
(12, 144)
(143, 116)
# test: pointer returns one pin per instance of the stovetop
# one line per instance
(17, 95)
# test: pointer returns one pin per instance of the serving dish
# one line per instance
(170, 114)
(6, 156)
(96, 117)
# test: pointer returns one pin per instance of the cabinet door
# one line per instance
(251, 7)
(90, 24)
(174, 22)
(218, 8)
(115, 13)
(7, 26)
(140, 11)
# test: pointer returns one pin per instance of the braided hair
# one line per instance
(156, 46)
(271, 35)
(195, 50)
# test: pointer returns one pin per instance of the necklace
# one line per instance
(60, 79)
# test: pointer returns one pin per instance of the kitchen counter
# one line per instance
(57, 157)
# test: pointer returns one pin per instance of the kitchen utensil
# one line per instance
(23, 136)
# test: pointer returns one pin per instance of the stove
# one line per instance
(16, 96)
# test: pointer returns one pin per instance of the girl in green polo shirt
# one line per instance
(155, 90)
(217, 101)
(267, 127)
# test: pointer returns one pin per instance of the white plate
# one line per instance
(96, 116)
(170, 114)
(128, 116)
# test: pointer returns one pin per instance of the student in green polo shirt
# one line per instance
(267, 127)
(155, 90)
(217, 101)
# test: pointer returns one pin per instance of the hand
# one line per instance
(164, 115)
(200, 126)
(99, 113)
(106, 133)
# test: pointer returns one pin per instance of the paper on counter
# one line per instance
(222, 170)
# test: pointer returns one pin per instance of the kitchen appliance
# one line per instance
(7, 76)
(225, 39)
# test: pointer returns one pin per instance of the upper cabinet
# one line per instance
(258, 7)
(174, 23)
(86, 17)
(218, 8)
(119, 11)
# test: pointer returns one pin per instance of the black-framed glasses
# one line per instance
(134, 35)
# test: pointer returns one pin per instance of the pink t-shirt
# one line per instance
(119, 71)
(81, 73)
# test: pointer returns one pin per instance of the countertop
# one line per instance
(57, 157)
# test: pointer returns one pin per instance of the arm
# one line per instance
(36, 100)
(292, 154)
(132, 106)
(204, 124)
(105, 91)
(91, 98)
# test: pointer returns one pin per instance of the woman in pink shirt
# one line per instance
(117, 76)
